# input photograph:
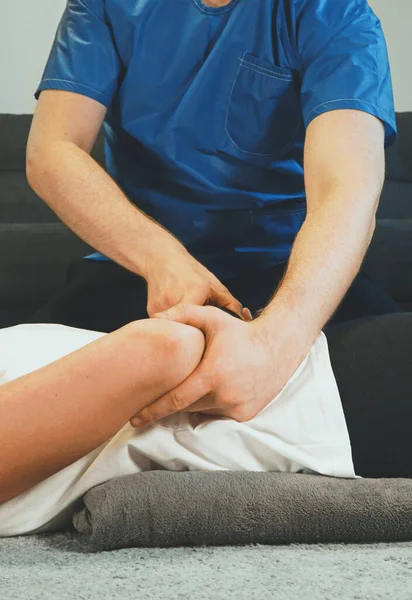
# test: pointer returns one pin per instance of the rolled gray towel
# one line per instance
(198, 508)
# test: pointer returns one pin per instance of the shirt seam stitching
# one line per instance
(75, 83)
(334, 37)
(214, 12)
(265, 154)
(348, 100)
(266, 72)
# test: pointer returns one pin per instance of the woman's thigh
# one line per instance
(372, 362)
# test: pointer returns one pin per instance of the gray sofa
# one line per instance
(36, 247)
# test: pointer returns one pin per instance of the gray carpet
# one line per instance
(58, 567)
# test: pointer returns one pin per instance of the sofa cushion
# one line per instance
(14, 131)
(396, 200)
(33, 261)
(389, 258)
(399, 156)
(18, 202)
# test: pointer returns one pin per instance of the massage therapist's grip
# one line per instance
(175, 277)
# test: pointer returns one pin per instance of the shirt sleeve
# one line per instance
(83, 58)
(344, 63)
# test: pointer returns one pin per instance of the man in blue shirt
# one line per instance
(245, 153)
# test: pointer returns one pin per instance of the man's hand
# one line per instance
(178, 278)
(244, 367)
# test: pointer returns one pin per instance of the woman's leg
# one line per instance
(57, 414)
(372, 362)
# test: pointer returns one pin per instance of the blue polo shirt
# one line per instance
(208, 107)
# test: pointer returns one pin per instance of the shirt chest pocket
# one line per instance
(263, 114)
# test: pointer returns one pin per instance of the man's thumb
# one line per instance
(201, 317)
(222, 298)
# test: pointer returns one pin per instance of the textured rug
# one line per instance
(59, 567)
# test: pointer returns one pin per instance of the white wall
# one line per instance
(396, 17)
(27, 28)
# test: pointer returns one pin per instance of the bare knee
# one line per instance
(183, 346)
(179, 348)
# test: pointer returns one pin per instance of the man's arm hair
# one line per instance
(344, 173)
(62, 172)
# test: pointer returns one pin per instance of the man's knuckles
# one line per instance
(176, 401)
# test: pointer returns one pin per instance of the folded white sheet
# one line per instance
(302, 429)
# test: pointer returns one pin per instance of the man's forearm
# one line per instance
(326, 256)
(92, 205)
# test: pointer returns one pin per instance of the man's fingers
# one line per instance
(205, 318)
(223, 298)
(202, 317)
(247, 315)
(190, 391)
